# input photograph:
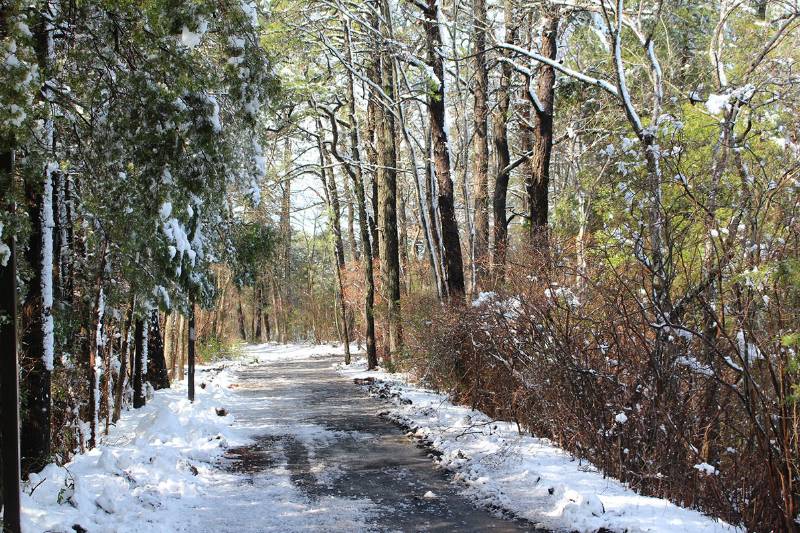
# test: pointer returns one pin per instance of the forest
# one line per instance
(578, 216)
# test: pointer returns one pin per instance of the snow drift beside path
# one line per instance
(524, 475)
(158, 471)
(154, 460)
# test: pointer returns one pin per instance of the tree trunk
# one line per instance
(454, 269)
(402, 245)
(169, 343)
(435, 227)
(139, 363)
(9, 364)
(286, 237)
(502, 153)
(267, 327)
(240, 314)
(108, 352)
(258, 313)
(332, 197)
(95, 347)
(481, 146)
(37, 321)
(190, 346)
(156, 363)
(538, 182)
(357, 177)
(387, 189)
(351, 234)
(119, 385)
(372, 157)
(37, 366)
(180, 352)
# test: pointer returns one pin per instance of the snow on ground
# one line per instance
(528, 476)
(158, 469)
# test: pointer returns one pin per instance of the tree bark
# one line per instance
(95, 347)
(37, 321)
(538, 182)
(156, 362)
(240, 315)
(436, 240)
(169, 343)
(139, 399)
(370, 149)
(258, 313)
(119, 385)
(357, 177)
(180, 351)
(190, 347)
(425, 212)
(351, 234)
(481, 145)
(402, 245)
(334, 221)
(454, 269)
(502, 152)
(387, 188)
(9, 363)
(35, 431)
(286, 239)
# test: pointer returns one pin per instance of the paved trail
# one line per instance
(349, 469)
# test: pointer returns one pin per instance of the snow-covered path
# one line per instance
(323, 460)
(281, 440)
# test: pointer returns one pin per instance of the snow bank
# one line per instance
(147, 473)
(161, 468)
(528, 476)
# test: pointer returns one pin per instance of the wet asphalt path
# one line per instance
(336, 444)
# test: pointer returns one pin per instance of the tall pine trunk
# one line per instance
(481, 145)
(386, 148)
(180, 345)
(538, 181)
(332, 196)
(425, 214)
(95, 363)
(139, 363)
(37, 321)
(451, 242)
(258, 313)
(9, 363)
(156, 362)
(286, 239)
(169, 344)
(437, 254)
(190, 348)
(502, 153)
(357, 176)
(36, 343)
(119, 385)
(351, 233)
(240, 315)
